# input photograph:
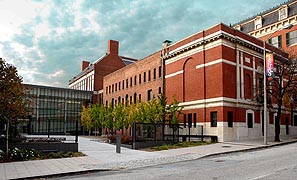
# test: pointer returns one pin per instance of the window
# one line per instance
(250, 120)
(123, 84)
(160, 71)
(144, 77)
(295, 120)
(130, 81)
(190, 120)
(155, 73)
(109, 89)
(195, 120)
(112, 88)
(258, 22)
(291, 38)
(283, 12)
(139, 78)
(119, 86)
(213, 119)
(230, 119)
(131, 100)
(185, 120)
(116, 86)
(149, 95)
(135, 79)
(139, 97)
(135, 98)
(127, 83)
(160, 90)
(106, 89)
(276, 41)
(149, 75)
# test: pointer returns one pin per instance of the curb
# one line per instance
(250, 149)
(62, 174)
(205, 156)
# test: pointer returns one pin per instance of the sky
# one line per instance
(47, 39)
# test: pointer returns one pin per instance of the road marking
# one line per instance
(259, 177)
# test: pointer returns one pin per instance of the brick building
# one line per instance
(214, 74)
(91, 76)
(139, 81)
(269, 26)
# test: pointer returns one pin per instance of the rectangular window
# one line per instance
(119, 86)
(149, 95)
(160, 71)
(276, 41)
(144, 77)
(155, 73)
(116, 86)
(185, 120)
(139, 97)
(295, 120)
(123, 84)
(213, 119)
(190, 120)
(130, 81)
(139, 78)
(195, 120)
(160, 90)
(127, 83)
(291, 38)
(230, 119)
(109, 89)
(106, 89)
(135, 79)
(250, 120)
(149, 75)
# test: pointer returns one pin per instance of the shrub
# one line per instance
(16, 154)
(2, 154)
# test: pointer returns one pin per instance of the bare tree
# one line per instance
(284, 82)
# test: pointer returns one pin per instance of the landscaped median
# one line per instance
(178, 145)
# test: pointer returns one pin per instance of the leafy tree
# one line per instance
(86, 119)
(97, 113)
(174, 111)
(12, 97)
(119, 114)
(108, 118)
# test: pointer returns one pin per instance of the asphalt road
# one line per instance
(275, 163)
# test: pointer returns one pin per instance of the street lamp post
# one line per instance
(264, 76)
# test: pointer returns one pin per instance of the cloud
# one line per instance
(47, 39)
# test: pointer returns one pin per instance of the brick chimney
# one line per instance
(84, 65)
(113, 47)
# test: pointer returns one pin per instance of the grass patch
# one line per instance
(179, 145)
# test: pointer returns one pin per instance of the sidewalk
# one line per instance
(102, 156)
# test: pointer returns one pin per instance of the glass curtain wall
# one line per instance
(55, 110)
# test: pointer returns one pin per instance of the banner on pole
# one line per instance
(269, 66)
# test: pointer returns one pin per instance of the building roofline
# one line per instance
(53, 87)
(263, 13)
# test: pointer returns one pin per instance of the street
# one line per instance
(272, 163)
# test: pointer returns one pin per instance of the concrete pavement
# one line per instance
(103, 156)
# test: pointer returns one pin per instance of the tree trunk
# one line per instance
(7, 145)
(277, 122)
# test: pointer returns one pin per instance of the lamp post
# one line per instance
(264, 76)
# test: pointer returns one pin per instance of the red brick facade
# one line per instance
(91, 77)
(134, 82)
(216, 73)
